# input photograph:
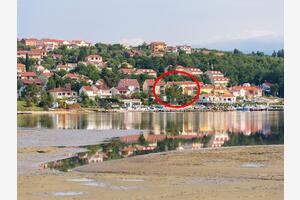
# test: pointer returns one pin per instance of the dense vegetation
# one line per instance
(254, 68)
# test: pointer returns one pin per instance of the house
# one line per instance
(149, 72)
(63, 67)
(171, 49)
(190, 70)
(33, 53)
(188, 87)
(195, 71)
(38, 68)
(21, 68)
(45, 75)
(89, 91)
(40, 52)
(128, 86)
(61, 93)
(132, 52)
(80, 43)
(148, 85)
(248, 92)
(95, 59)
(125, 65)
(131, 103)
(216, 98)
(158, 47)
(185, 48)
(35, 81)
(207, 88)
(217, 77)
(56, 56)
(102, 91)
(266, 87)
(30, 41)
(27, 75)
(127, 71)
(73, 76)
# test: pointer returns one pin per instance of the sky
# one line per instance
(249, 25)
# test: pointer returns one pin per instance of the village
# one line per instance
(73, 85)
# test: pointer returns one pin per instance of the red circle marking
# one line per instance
(176, 72)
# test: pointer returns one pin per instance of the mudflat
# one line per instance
(255, 172)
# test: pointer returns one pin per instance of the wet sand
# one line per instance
(36, 146)
(226, 173)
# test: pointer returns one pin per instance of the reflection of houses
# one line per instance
(94, 158)
(219, 139)
(190, 146)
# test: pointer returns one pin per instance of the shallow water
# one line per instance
(162, 123)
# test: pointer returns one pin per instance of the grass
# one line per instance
(21, 106)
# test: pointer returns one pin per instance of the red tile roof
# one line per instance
(28, 74)
(150, 82)
(60, 89)
(128, 82)
(88, 88)
(36, 81)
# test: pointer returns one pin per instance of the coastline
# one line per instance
(66, 111)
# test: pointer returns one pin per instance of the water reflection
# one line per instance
(163, 123)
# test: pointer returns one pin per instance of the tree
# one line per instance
(142, 140)
(173, 93)
(111, 78)
(27, 63)
(31, 94)
(50, 84)
(236, 51)
(46, 100)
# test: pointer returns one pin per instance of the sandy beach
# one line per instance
(254, 172)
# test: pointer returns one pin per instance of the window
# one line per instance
(68, 93)
(74, 93)
(59, 94)
(63, 93)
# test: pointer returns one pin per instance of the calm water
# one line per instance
(180, 131)
(266, 122)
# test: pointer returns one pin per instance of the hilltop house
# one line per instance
(132, 52)
(217, 78)
(185, 48)
(157, 48)
(30, 41)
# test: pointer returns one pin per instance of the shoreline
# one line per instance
(123, 111)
